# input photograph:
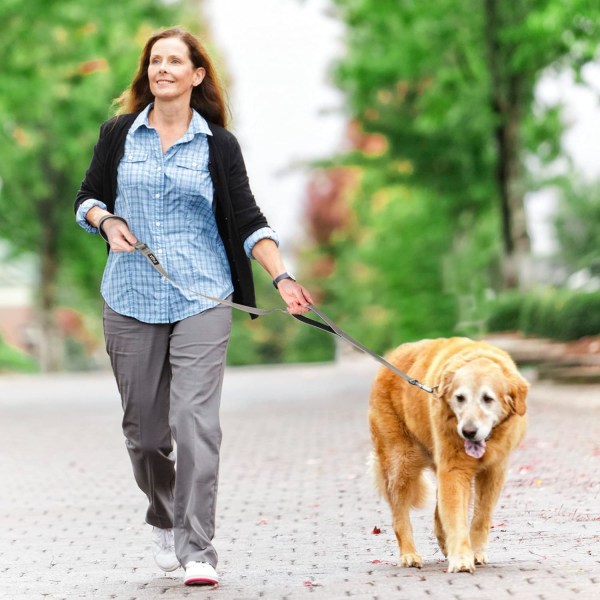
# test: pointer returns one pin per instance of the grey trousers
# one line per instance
(170, 378)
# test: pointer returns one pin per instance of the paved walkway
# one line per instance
(296, 509)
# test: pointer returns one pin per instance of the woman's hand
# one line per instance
(295, 296)
(119, 236)
(116, 230)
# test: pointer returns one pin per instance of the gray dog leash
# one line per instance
(330, 326)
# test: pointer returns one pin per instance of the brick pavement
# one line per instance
(296, 505)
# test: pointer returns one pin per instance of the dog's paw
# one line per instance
(464, 563)
(481, 557)
(411, 560)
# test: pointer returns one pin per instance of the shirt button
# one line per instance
(193, 164)
(157, 195)
(159, 251)
(158, 223)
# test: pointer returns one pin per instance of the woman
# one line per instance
(168, 173)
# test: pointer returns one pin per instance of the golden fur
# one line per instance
(478, 405)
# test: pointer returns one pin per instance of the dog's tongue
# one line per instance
(475, 449)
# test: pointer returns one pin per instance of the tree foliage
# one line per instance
(448, 89)
(64, 62)
(578, 225)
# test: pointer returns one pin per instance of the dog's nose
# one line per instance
(469, 432)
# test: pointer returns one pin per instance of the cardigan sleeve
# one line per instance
(92, 186)
(248, 215)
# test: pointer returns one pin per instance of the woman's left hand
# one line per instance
(295, 296)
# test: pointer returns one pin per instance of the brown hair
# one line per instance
(207, 98)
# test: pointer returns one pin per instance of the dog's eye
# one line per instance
(460, 398)
(488, 399)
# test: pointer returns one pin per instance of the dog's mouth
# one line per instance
(475, 449)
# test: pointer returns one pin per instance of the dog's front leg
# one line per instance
(488, 485)
(453, 503)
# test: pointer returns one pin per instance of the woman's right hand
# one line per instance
(119, 236)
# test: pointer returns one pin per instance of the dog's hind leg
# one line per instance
(488, 485)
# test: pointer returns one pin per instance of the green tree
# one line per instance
(444, 116)
(451, 84)
(578, 225)
(64, 62)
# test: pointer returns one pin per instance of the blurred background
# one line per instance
(433, 169)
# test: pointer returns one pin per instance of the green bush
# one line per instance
(551, 312)
(580, 316)
(531, 314)
(12, 360)
(554, 313)
(505, 314)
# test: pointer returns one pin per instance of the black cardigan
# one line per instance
(236, 211)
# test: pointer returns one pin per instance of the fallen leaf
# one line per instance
(376, 530)
(312, 584)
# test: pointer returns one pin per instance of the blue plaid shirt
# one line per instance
(167, 201)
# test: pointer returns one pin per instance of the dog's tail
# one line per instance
(388, 484)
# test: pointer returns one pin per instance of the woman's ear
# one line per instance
(199, 75)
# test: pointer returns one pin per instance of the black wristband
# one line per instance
(105, 218)
(281, 277)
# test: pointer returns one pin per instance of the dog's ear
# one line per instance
(444, 386)
(517, 394)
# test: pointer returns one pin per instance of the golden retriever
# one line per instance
(464, 431)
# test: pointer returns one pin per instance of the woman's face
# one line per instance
(171, 73)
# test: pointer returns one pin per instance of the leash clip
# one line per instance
(417, 383)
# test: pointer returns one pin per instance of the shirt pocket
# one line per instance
(193, 179)
(133, 170)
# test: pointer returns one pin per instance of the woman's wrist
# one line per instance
(285, 275)
(94, 215)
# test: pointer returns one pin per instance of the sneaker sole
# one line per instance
(170, 569)
(200, 581)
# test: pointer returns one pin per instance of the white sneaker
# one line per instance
(200, 573)
(164, 549)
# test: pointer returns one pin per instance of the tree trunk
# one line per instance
(506, 100)
(50, 342)
(50, 346)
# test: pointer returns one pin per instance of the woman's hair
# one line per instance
(207, 98)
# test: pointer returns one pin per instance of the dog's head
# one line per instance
(481, 391)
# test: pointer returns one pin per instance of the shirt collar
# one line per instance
(198, 124)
